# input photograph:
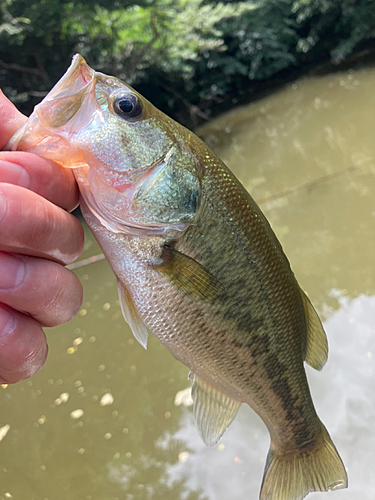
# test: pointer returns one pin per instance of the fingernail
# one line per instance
(14, 174)
(7, 321)
(12, 271)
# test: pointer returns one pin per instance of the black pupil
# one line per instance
(126, 106)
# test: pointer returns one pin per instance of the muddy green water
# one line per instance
(100, 421)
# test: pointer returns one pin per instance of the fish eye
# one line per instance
(127, 106)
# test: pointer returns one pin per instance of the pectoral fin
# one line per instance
(131, 315)
(188, 275)
(213, 411)
(316, 340)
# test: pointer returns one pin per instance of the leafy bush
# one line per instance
(188, 56)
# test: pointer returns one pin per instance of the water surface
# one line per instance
(100, 422)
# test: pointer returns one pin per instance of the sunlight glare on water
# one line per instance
(101, 420)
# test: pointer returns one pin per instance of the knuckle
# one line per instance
(63, 298)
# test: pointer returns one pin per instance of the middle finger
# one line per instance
(47, 291)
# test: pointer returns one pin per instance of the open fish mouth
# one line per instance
(65, 98)
(77, 76)
(44, 132)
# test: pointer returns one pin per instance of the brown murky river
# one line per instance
(101, 421)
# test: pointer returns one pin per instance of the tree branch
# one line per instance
(24, 69)
(18, 67)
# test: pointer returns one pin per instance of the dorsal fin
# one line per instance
(131, 315)
(316, 339)
(213, 410)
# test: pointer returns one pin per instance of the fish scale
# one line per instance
(197, 265)
(176, 321)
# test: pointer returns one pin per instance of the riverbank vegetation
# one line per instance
(191, 58)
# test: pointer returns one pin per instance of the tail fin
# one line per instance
(292, 476)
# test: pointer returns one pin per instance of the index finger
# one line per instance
(44, 177)
(32, 225)
(11, 119)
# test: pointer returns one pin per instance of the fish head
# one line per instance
(133, 164)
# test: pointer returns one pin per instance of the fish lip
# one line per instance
(78, 67)
(79, 62)
(65, 99)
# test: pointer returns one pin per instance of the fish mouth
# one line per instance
(66, 97)
(78, 72)
(42, 132)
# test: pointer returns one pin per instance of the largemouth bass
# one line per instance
(197, 265)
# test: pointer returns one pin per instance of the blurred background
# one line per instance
(294, 85)
(191, 58)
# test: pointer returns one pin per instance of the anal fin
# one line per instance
(213, 411)
(131, 315)
(316, 339)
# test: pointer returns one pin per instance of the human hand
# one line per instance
(37, 238)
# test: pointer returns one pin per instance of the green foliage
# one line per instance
(168, 35)
(265, 41)
(348, 24)
(185, 55)
(358, 22)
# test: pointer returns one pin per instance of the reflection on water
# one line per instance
(100, 420)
